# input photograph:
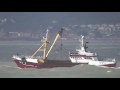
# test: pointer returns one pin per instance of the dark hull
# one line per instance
(47, 64)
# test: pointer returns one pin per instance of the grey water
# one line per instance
(105, 49)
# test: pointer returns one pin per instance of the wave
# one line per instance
(1, 66)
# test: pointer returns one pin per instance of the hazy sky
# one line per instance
(35, 19)
(84, 16)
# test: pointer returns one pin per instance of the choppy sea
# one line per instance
(104, 48)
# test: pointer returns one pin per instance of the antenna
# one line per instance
(47, 33)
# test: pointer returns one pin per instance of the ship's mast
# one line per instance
(45, 41)
(82, 43)
(44, 45)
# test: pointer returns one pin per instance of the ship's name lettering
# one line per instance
(24, 63)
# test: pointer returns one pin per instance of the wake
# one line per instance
(1, 66)
(109, 67)
(7, 66)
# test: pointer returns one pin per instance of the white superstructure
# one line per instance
(86, 57)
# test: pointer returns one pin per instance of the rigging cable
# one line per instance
(61, 48)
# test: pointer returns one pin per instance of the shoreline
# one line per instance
(59, 39)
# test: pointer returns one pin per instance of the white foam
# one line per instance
(109, 71)
(117, 68)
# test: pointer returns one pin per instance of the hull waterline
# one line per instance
(47, 64)
(109, 65)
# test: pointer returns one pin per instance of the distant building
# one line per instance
(13, 35)
(2, 34)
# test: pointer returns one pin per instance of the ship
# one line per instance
(42, 62)
(83, 56)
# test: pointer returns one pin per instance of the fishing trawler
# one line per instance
(86, 57)
(42, 62)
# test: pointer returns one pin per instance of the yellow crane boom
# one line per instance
(57, 36)
(44, 45)
(37, 51)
